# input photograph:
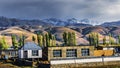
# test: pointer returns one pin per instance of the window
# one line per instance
(71, 53)
(57, 53)
(85, 52)
(34, 52)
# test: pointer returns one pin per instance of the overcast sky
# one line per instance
(97, 10)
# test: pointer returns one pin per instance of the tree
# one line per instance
(94, 39)
(47, 40)
(118, 39)
(65, 38)
(69, 38)
(74, 38)
(104, 41)
(40, 40)
(44, 40)
(53, 41)
(21, 40)
(33, 38)
(111, 41)
(14, 42)
(3, 44)
(90, 39)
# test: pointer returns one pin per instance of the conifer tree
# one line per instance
(69, 39)
(21, 41)
(54, 41)
(65, 38)
(33, 38)
(74, 38)
(118, 39)
(104, 41)
(47, 40)
(14, 42)
(44, 40)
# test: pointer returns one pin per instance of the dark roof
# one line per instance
(30, 46)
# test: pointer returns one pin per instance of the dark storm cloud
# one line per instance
(99, 10)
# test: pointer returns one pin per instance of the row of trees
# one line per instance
(17, 43)
(69, 38)
(46, 40)
(111, 41)
(43, 40)
(94, 39)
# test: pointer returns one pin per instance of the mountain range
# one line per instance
(7, 22)
(82, 28)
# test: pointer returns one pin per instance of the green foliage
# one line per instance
(111, 41)
(119, 39)
(69, 38)
(104, 41)
(65, 38)
(14, 42)
(40, 40)
(3, 44)
(21, 41)
(46, 39)
(53, 41)
(93, 39)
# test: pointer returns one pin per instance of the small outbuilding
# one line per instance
(30, 50)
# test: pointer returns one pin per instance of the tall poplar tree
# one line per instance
(14, 42)
(3, 44)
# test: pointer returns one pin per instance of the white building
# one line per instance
(30, 50)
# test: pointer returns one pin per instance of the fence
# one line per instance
(84, 60)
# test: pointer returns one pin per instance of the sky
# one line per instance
(95, 10)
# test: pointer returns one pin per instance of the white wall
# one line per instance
(108, 48)
(20, 54)
(30, 54)
(105, 59)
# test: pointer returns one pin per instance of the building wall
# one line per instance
(29, 54)
(9, 53)
(64, 48)
(20, 53)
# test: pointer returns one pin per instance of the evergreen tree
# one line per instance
(44, 40)
(65, 38)
(47, 40)
(21, 40)
(54, 41)
(118, 39)
(94, 39)
(97, 37)
(40, 40)
(74, 38)
(104, 41)
(111, 41)
(69, 39)
(14, 42)
(33, 38)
